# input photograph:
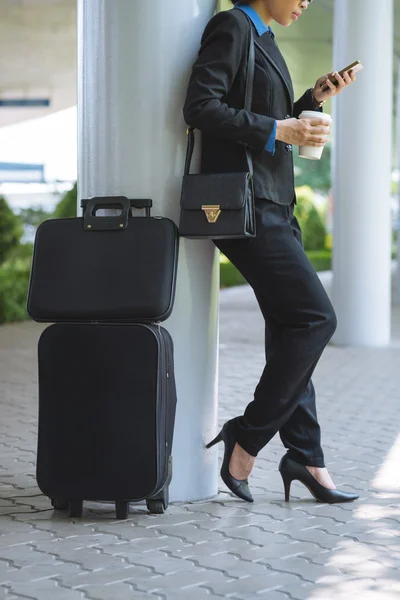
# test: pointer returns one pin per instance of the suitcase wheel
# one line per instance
(75, 508)
(59, 503)
(155, 507)
(122, 509)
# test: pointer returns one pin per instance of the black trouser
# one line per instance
(300, 321)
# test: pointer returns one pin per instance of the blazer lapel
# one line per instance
(275, 58)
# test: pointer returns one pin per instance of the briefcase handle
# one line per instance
(119, 222)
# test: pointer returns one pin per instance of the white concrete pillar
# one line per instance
(362, 173)
(134, 60)
(397, 278)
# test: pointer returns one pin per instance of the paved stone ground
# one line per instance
(223, 548)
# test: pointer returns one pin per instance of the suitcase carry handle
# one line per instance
(93, 223)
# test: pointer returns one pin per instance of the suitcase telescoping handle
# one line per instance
(91, 222)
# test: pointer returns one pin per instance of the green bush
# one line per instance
(314, 231)
(11, 230)
(67, 207)
(14, 281)
(17, 258)
(23, 251)
(321, 260)
(229, 275)
(314, 173)
(34, 216)
(311, 219)
(305, 200)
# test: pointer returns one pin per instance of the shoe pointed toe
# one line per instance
(337, 496)
(239, 487)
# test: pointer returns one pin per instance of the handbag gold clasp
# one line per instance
(212, 212)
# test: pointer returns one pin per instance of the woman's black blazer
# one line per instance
(215, 98)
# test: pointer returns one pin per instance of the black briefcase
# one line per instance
(107, 403)
(104, 268)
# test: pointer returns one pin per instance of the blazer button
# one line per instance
(289, 148)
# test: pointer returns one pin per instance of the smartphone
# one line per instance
(355, 66)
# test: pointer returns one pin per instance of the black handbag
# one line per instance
(219, 205)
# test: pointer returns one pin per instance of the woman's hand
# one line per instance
(303, 132)
(333, 90)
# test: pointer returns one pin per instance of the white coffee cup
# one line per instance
(313, 152)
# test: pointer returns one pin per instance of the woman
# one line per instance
(299, 316)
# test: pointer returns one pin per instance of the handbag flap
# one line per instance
(226, 190)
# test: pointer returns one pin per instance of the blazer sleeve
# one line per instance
(306, 102)
(223, 50)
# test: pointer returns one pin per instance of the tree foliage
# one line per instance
(11, 230)
(314, 173)
(67, 207)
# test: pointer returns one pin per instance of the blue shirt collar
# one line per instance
(258, 23)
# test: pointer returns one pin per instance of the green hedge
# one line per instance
(11, 230)
(14, 281)
(230, 276)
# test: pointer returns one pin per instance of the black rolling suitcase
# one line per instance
(107, 404)
(118, 268)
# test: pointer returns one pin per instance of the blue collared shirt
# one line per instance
(261, 28)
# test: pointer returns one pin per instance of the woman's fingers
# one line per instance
(352, 76)
(321, 130)
(347, 79)
(340, 80)
(318, 140)
(330, 85)
(319, 127)
(319, 134)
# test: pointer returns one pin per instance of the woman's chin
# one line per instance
(286, 23)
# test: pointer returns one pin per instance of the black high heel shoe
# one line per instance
(240, 487)
(291, 470)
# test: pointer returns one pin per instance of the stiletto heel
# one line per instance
(215, 440)
(287, 480)
(291, 470)
(240, 487)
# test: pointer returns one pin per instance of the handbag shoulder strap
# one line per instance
(247, 106)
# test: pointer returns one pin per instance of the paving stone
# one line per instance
(48, 589)
(305, 570)
(191, 533)
(284, 551)
(37, 571)
(254, 535)
(91, 559)
(183, 580)
(57, 545)
(268, 594)
(232, 565)
(158, 562)
(118, 591)
(148, 545)
(260, 584)
(196, 592)
(224, 547)
(105, 575)
(207, 548)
